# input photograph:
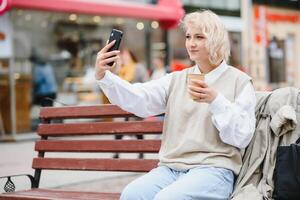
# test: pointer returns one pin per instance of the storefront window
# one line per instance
(235, 58)
(276, 58)
(291, 4)
(69, 42)
(291, 63)
(224, 7)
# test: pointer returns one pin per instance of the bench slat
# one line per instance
(147, 146)
(91, 164)
(95, 128)
(73, 112)
(59, 194)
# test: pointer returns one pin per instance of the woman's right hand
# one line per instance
(103, 58)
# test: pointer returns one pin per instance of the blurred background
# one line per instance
(65, 36)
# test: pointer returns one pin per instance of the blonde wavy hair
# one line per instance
(210, 25)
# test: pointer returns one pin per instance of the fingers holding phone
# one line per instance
(108, 55)
(104, 58)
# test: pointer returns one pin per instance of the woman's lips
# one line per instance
(193, 51)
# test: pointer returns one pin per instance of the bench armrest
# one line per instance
(9, 186)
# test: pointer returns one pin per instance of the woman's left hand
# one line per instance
(200, 92)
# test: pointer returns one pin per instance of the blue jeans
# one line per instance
(163, 183)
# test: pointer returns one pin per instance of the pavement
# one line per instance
(16, 158)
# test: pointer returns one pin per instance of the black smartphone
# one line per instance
(115, 35)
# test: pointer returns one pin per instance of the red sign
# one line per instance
(167, 12)
(275, 17)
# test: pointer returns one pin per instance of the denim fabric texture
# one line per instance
(163, 183)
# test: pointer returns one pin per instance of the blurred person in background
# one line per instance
(134, 72)
(131, 69)
(160, 69)
(203, 136)
(44, 81)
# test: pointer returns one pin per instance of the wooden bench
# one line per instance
(60, 135)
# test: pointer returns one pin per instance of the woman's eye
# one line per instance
(187, 37)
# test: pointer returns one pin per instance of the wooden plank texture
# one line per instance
(97, 128)
(73, 112)
(71, 128)
(58, 194)
(90, 164)
(147, 146)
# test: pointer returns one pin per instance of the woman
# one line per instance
(44, 81)
(202, 137)
(159, 68)
(131, 70)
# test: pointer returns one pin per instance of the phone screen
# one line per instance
(115, 35)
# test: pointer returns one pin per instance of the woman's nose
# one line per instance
(192, 43)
